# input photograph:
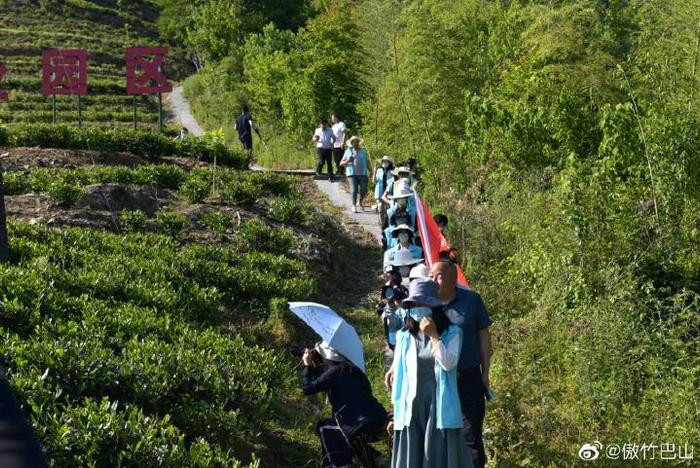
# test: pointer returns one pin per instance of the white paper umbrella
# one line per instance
(332, 328)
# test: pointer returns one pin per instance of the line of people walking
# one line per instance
(438, 340)
(437, 337)
(348, 155)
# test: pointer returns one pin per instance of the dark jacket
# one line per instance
(350, 396)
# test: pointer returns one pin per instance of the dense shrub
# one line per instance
(141, 142)
(131, 220)
(217, 221)
(170, 223)
(289, 211)
(263, 237)
(122, 331)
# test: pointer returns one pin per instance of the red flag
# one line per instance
(432, 239)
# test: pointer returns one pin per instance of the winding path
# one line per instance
(369, 220)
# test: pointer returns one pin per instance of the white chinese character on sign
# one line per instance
(630, 452)
(668, 451)
(683, 454)
(646, 448)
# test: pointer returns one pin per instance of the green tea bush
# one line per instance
(240, 192)
(107, 433)
(132, 220)
(64, 192)
(265, 238)
(140, 142)
(289, 211)
(170, 223)
(198, 186)
(216, 221)
(65, 184)
(272, 184)
(123, 332)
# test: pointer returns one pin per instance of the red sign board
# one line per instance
(3, 70)
(144, 70)
(64, 72)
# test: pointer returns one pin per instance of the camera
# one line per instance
(298, 351)
(396, 293)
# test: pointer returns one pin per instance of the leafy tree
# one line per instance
(215, 29)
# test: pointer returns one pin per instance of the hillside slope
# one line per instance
(143, 310)
(105, 29)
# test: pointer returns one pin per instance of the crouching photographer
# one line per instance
(357, 415)
(388, 308)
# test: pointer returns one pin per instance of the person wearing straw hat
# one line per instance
(403, 182)
(399, 217)
(400, 194)
(423, 381)
(356, 164)
(404, 260)
(404, 236)
(382, 178)
(355, 410)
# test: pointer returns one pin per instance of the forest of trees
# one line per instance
(562, 139)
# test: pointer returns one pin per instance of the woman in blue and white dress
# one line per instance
(427, 411)
(382, 178)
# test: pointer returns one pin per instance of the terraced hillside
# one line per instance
(143, 315)
(104, 29)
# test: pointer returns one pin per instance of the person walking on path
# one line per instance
(382, 178)
(427, 413)
(405, 236)
(323, 136)
(245, 127)
(356, 164)
(355, 410)
(465, 309)
(339, 142)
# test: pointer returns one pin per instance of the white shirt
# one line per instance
(325, 138)
(339, 133)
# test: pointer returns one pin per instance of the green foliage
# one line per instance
(557, 139)
(114, 345)
(289, 211)
(263, 237)
(66, 185)
(132, 220)
(217, 221)
(170, 223)
(216, 28)
(290, 79)
(139, 142)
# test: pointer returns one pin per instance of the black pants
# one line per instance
(337, 157)
(325, 156)
(471, 396)
(247, 142)
(19, 447)
(334, 445)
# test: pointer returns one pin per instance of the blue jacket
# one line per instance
(448, 407)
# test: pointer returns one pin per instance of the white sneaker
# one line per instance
(354, 209)
(362, 207)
